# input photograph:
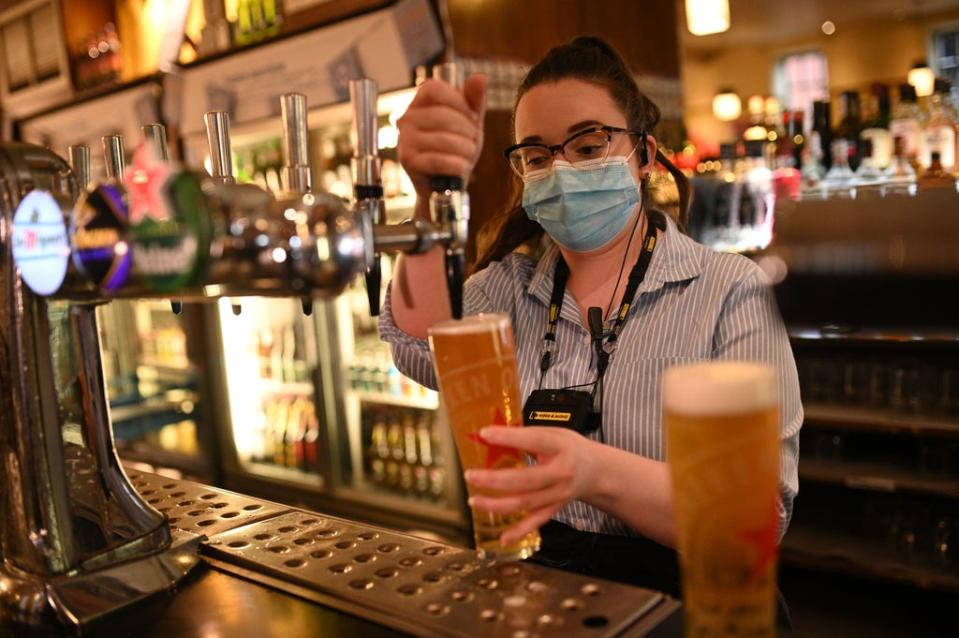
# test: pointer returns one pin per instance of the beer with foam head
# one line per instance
(723, 446)
(475, 362)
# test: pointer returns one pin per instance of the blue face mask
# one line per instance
(582, 208)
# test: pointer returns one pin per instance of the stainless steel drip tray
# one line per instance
(412, 584)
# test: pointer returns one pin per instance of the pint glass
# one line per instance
(722, 427)
(476, 367)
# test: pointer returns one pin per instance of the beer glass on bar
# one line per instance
(722, 427)
(475, 362)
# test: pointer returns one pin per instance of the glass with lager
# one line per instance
(475, 362)
(722, 427)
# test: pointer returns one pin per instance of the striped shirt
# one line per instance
(695, 304)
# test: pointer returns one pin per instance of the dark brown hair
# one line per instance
(592, 60)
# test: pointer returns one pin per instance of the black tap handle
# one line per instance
(237, 309)
(307, 307)
(440, 183)
(374, 279)
(177, 306)
(455, 275)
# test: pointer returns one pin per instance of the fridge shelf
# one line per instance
(283, 474)
(876, 476)
(873, 419)
(287, 387)
(845, 552)
(429, 402)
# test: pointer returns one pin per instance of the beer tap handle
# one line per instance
(449, 206)
(80, 163)
(299, 178)
(367, 185)
(155, 135)
(296, 150)
(114, 162)
(221, 158)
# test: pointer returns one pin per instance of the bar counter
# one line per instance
(271, 570)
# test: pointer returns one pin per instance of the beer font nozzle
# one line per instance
(114, 162)
(296, 138)
(155, 136)
(449, 204)
(367, 186)
(80, 164)
(221, 157)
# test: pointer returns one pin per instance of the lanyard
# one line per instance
(561, 276)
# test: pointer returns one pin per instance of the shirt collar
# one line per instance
(675, 258)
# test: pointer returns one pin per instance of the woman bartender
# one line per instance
(584, 154)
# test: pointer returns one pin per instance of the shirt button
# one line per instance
(580, 525)
(586, 340)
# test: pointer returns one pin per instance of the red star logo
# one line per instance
(495, 452)
(143, 181)
(765, 539)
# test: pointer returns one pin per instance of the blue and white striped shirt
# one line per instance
(695, 304)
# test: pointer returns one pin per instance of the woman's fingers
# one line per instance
(431, 163)
(533, 521)
(538, 440)
(427, 119)
(520, 479)
(442, 142)
(474, 91)
(433, 92)
(520, 501)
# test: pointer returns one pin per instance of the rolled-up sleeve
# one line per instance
(411, 355)
(750, 328)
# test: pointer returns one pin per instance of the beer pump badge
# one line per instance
(100, 239)
(166, 236)
(41, 248)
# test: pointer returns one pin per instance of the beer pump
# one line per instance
(298, 174)
(221, 158)
(76, 540)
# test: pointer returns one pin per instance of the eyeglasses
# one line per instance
(582, 150)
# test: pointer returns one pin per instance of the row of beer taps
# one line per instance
(152, 229)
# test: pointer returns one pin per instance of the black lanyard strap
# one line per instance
(636, 277)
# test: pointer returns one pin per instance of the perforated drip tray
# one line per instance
(200, 509)
(412, 584)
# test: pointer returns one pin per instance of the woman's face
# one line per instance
(550, 113)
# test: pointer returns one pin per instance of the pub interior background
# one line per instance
(309, 409)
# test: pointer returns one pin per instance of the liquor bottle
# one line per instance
(850, 125)
(900, 175)
(821, 133)
(936, 176)
(876, 127)
(796, 134)
(838, 179)
(906, 123)
(297, 458)
(264, 352)
(379, 448)
(279, 431)
(939, 134)
(869, 173)
(271, 415)
(311, 441)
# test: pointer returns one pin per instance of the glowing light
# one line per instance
(290, 214)
(279, 255)
(727, 106)
(922, 77)
(756, 104)
(828, 27)
(705, 17)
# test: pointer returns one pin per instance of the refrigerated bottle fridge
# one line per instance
(310, 406)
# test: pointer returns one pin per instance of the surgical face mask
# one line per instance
(582, 208)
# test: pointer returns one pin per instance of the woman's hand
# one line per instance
(441, 132)
(563, 472)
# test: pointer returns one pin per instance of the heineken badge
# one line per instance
(166, 236)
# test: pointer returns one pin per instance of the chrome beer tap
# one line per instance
(298, 176)
(221, 158)
(367, 186)
(449, 206)
(77, 540)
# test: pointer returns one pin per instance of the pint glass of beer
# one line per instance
(476, 367)
(722, 427)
